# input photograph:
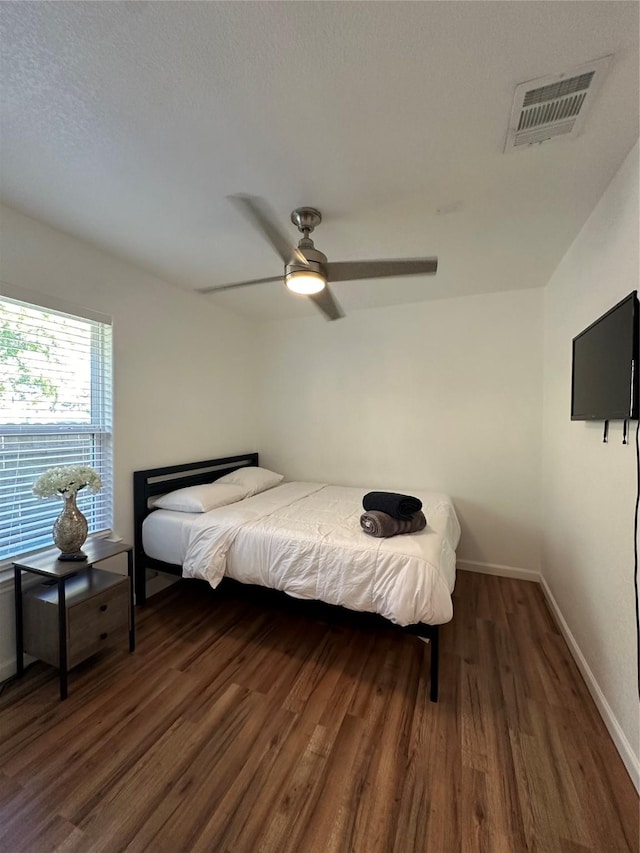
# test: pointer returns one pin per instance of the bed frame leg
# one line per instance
(435, 655)
(140, 575)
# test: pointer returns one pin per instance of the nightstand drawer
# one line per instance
(97, 607)
(97, 622)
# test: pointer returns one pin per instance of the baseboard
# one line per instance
(7, 626)
(7, 636)
(630, 760)
(7, 669)
(500, 571)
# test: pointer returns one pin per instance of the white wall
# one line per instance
(589, 487)
(184, 381)
(443, 395)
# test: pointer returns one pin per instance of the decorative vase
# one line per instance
(70, 530)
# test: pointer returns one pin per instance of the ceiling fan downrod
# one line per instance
(306, 219)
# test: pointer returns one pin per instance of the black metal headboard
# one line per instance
(158, 481)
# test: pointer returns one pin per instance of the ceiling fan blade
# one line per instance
(261, 217)
(327, 303)
(351, 270)
(219, 287)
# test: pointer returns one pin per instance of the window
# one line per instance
(55, 409)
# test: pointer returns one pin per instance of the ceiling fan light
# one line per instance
(305, 281)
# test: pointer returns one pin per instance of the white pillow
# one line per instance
(253, 479)
(201, 498)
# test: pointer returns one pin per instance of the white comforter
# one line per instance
(306, 539)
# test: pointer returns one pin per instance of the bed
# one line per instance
(301, 538)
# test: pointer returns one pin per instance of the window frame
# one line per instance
(101, 419)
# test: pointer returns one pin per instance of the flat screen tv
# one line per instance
(604, 376)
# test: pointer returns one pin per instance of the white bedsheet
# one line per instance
(305, 539)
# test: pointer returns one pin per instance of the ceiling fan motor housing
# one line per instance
(316, 260)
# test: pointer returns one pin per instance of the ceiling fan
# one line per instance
(306, 270)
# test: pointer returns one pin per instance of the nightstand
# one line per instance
(76, 610)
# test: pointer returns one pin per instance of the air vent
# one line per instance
(553, 106)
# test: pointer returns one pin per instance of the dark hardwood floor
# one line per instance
(241, 725)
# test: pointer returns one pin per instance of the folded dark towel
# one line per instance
(398, 506)
(379, 524)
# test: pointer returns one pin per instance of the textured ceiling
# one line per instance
(127, 124)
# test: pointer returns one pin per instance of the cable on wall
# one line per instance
(635, 554)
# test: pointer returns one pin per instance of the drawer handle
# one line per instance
(104, 636)
(103, 607)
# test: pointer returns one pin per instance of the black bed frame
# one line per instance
(158, 481)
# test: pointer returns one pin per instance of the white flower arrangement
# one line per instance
(65, 480)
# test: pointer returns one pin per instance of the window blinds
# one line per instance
(55, 409)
